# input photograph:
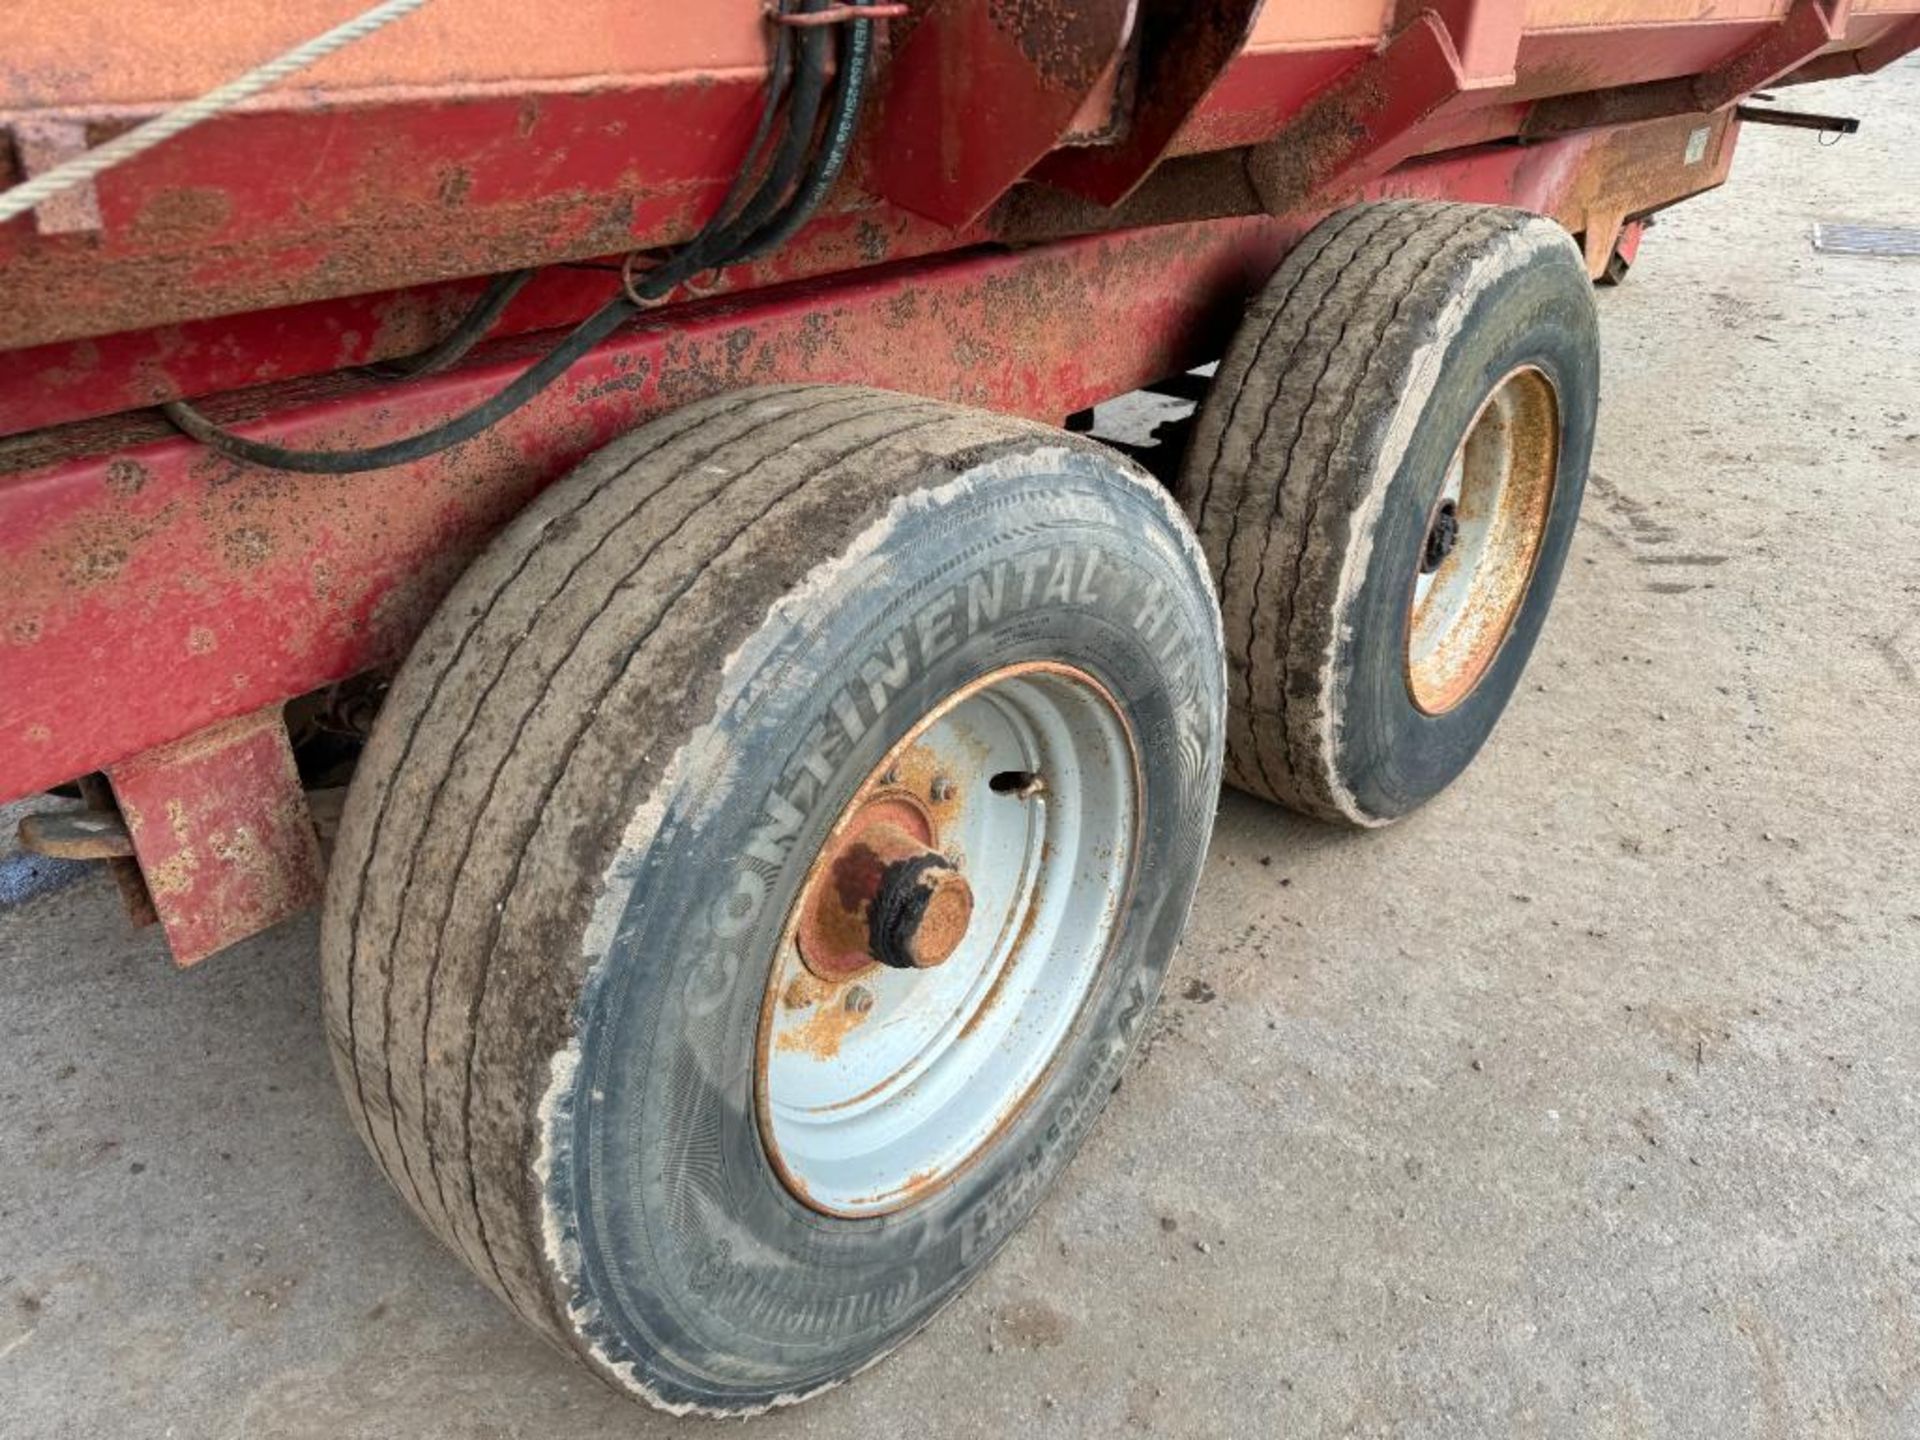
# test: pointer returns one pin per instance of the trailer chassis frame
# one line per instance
(169, 601)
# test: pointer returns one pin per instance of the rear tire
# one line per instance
(573, 852)
(1388, 350)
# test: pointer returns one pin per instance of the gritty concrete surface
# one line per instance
(1585, 1103)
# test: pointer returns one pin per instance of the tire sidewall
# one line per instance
(688, 1270)
(1390, 757)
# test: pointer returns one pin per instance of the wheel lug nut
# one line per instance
(942, 790)
(859, 1000)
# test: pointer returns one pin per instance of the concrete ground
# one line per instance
(1585, 1103)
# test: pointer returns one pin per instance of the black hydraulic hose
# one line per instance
(843, 121)
(489, 412)
(472, 328)
(715, 243)
(767, 217)
(779, 73)
(789, 162)
(486, 312)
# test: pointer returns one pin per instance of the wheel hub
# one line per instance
(1482, 541)
(882, 895)
(945, 938)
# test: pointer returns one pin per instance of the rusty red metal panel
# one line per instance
(251, 211)
(79, 379)
(1808, 28)
(104, 375)
(1882, 39)
(1485, 34)
(1183, 50)
(977, 91)
(416, 165)
(1605, 195)
(1262, 91)
(145, 567)
(1574, 62)
(1774, 50)
(1259, 93)
(1365, 123)
(222, 833)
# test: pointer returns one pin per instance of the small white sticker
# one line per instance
(1697, 144)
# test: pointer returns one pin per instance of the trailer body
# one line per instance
(1053, 203)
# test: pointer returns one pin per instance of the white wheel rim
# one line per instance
(867, 1108)
(1497, 496)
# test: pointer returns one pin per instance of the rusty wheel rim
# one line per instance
(1015, 805)
(1483, 540)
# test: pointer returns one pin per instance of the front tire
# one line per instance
(577, 862)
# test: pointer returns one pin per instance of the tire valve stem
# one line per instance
(1441, 538)
(1021, 784)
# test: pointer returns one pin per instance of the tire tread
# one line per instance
(442, 883)
(1275, 472)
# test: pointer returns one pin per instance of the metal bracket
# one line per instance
(1798, 119)
(1365, 123)
(222, 831)
(1808, 27)
(1485, 36)
(835, 15)
(41, 144)
(1183, 48)
(979, 92)
(76, 835)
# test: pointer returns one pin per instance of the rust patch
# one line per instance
(126, 478)
(826, 1030)
(917, 1184)
(807, 989)
(188, 213)
(1315, 146)
(96, 565)
(944, 922)
(882, 865)
(246, 547)
(1068, 42)
(455, 185)
(898, 816)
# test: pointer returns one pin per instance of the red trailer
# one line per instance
(635, 446)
